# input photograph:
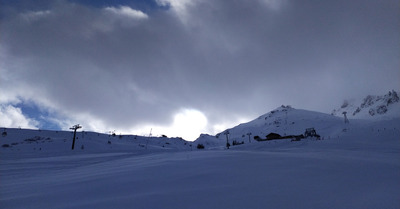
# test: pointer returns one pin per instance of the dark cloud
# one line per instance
(229, 60)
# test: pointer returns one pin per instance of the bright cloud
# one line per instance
(12, 117)
(127, 12)
(179, 7)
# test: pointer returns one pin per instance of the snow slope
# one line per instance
(317, 174)
(356, 165)
(60, 142)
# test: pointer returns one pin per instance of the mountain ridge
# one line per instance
(371, 107)
(287, 121)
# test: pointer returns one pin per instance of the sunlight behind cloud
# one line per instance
(187, 123)
(190, 122)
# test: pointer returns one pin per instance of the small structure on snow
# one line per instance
(310, 132)
(272, 136)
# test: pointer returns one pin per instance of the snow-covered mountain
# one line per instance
(285, 121)
(353, 165)
(289, 122)
(371, 107)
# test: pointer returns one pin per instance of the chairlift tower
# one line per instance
(150, 135)
(345, 117)
(249, 134)
(75, 127)
(227, 138)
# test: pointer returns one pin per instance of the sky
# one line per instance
(185, 67)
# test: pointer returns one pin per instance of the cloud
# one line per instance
(119, 68)
(179, 7)
(12, 117)
(35, 15)
(126, 11)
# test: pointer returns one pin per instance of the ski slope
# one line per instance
(356, 165)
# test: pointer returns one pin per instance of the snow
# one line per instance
(356, 165)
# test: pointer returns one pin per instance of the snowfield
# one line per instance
(356, 165)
